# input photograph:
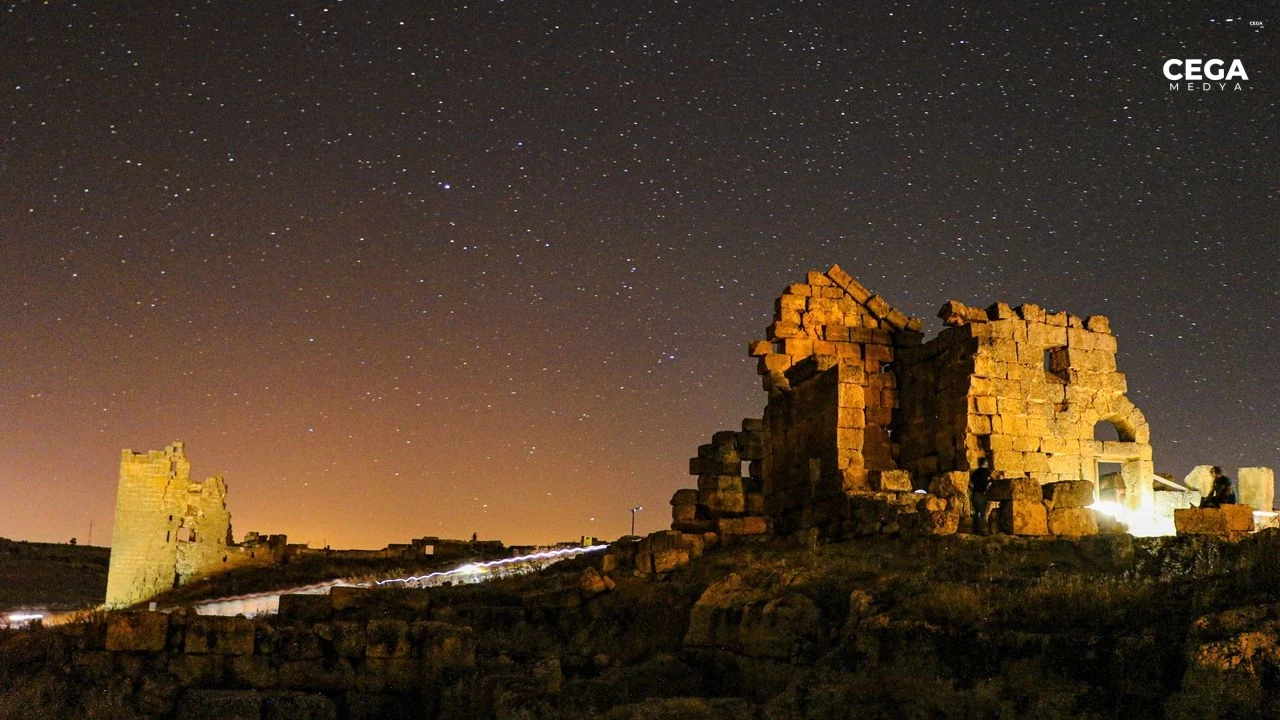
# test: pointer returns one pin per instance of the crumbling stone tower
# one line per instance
(168, 529)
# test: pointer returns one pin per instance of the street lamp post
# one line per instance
(634, 510)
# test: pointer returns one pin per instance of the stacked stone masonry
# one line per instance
(862, 415)
(727, 501)
(168, 530)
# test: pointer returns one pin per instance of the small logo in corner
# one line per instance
(1198, 75)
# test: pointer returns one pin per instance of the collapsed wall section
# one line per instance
(827, 362)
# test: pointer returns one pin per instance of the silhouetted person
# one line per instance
(1221, 494)
(979, 479)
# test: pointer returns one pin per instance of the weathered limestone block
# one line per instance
(664, 561)
(1225, 521)
(1073, 521)
(137, 631)
(662, 552)
(448, 647)
(1020, 489)
(297, 643)
(348, 639)
(1239, 518)
(1257, 487)
(1200, 479)
(1022, 517)
(681, 514)
(298, 706)
(219, 635)
(399, 675)
(219, 705)
(890, 480)
(1069, 494)
(255, 671)
(387, 638)
(317, 675)
(723, 502)
(742, 526)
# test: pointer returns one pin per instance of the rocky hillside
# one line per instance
(51, 575)
(957, 626)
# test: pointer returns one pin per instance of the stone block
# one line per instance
(1200, 521)
(726, 502)
(398, 675)
(298, 706)
(1200, 479)
(308, 608)
(250, 671)
(1022, 517)
(1098, 323)
(387, 638)
(685, 496)
(890, 480)
(448, 647)
(219, 705)
(1257, 487)
(297, 643)
(137, 631)
(1020, 489)
(665, 561)
(1239, 518)
(198, 670)
(1069, 493)
(1073, 521)
(317, 675)
(210, 634)
(742, 526)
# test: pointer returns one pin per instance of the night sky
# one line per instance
(421, 268)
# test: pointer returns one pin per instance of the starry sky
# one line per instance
(417, 268)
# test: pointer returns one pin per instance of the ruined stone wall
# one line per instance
(827, 363)
(168, 530)
(862, 413)
(1035, 385)
(150, 497)
(205, 532)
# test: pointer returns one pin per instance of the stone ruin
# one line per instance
(869, 429)
(168, 530)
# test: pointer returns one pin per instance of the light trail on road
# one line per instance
(267, 603)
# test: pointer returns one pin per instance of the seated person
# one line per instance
(1222, 494)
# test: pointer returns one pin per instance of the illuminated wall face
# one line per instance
(167, 529)
(853, 389)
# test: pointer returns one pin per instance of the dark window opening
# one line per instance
(1110, 482)
(1056, 363)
